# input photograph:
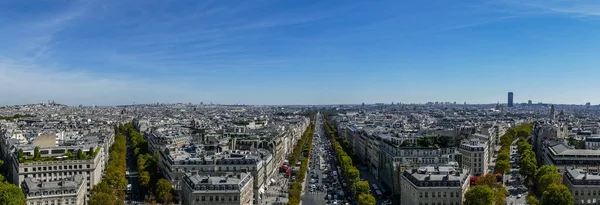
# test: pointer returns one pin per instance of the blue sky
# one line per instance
(109, 52)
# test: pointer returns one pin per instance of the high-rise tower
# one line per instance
(510, 99)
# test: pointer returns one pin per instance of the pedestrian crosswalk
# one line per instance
(316, 193)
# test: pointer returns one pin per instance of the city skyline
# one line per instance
(309, 52)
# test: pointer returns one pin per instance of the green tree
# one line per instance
(545, 176)
(500, 195)
(498, 189)
(406, 143)
(80, 154)
(366, 199)
(163, 191)
(102, 187)
(528, 164)
(352, 174)
(523, 145)
(479, 195)
(36, 153)
(136, 151)
(11, 194)
(346, 161)
(523, 133)
(91, 152)
(504, 154)
(502, 166)
(361, 187)
(69, 155)
(21, 153)
(1, 167)
(423, 142)
(578, 144)
(102, 198)
(487, 180)
(531, 200)
(443, 141)
(144, 179)
(141, 163)
(506, 140)
(557, 194)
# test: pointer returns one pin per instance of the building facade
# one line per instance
(395, 159)
(175, 164)
(564, 157)
(59, 168)
(228, 189)
(475, 155)
(510, 99)
(434, 185)
(66, 191)
(584, 186)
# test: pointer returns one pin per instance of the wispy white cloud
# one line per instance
(30, 72)
(574, 8)
(212, 32)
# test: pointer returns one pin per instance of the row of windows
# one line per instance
(50, 168)
(439, 194)
(473, 154)
(589, 193)
(52, 202)
(71, 191)
(216, 198)
(57, 174)
(208, 169)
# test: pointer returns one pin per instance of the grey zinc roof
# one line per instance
(561, 149)
(38, 185)
(441, 173)
(579, 174)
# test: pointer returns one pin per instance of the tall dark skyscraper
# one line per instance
(510, 99)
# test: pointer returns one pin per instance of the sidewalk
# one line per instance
(276, 193)
(366, 175)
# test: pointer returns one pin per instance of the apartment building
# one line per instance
(175, 163)
(584, 186)
(556, 153)
(475, 155)
(227, 189)
(162, 137)
(68, 191)
(395, 159)
(489, 129)
(592, 142)
(55, 166)
(434, 185)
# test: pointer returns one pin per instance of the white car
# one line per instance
(519, 196)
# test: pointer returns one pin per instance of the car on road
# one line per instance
(519, 196)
